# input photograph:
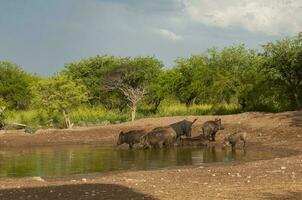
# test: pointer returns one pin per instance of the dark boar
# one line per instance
(182, 128)
(159, 137)
(233, 139)
(194, 141)
(130, 137)
(210, 128)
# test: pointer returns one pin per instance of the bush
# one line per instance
(84, 116)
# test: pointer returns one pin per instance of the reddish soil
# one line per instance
(278, 178)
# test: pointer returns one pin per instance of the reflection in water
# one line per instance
(87, 159)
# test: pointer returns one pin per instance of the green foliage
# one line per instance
(15, 86)
(59, 94)
(186, 79)
(34, 118)
(92, 72)
(159, 89)
(2, 113)
(81, 116)
(226, 76)
(85, 116)
(283, 64)
(30, 129)
(142, 71)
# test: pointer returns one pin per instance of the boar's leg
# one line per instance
(233, 145)
(155, 145)
(213, 136)
(244, 143)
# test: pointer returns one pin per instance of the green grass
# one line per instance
(86, 116)
(28, 117)
(181, 109)
(89, 116)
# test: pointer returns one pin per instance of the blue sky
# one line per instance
(42, 35)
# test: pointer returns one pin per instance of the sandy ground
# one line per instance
(278, 178)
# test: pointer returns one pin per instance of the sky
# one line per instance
(43, 35)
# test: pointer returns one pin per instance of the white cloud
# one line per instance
(168, 34)
(272, 17)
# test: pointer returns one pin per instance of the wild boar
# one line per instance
(233, 139)
(194, 141)
(131, 137)
(182, 128)
(210, 128)
(159, 137)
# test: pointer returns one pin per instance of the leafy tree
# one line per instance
(159, 89)
(142, 70)
(132, 79)
(59, 94)
(91, 72)
(283, 64)
(189, 79)
(15, 86)
(235, 71)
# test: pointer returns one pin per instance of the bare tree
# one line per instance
(116, 80)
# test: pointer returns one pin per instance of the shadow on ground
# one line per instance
(74, 192)
(286, 196)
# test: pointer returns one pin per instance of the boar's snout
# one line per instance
(120, 138)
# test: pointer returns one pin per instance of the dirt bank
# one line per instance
(278, 178)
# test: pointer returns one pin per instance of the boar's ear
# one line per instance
(194, 120)
(122, 132)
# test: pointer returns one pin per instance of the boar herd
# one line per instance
(179, 133)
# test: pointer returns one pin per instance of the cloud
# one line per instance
(168, 34)
(272, 17)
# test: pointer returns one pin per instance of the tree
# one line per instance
(159, 89)
(15, 86)
(132, 78)
(235, 72)
(189, 81)
(119, 79)
(283, 64)
(91, 73)
(59, 94)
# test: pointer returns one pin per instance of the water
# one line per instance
(67, 160)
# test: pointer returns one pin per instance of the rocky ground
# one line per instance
(277, 178)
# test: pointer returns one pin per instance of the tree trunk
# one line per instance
(242, 103)
(156, 105)
(193, 101)
(133, 112)
(68, 124)
(298, 100)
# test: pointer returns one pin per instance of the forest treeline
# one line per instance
(219, 81)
